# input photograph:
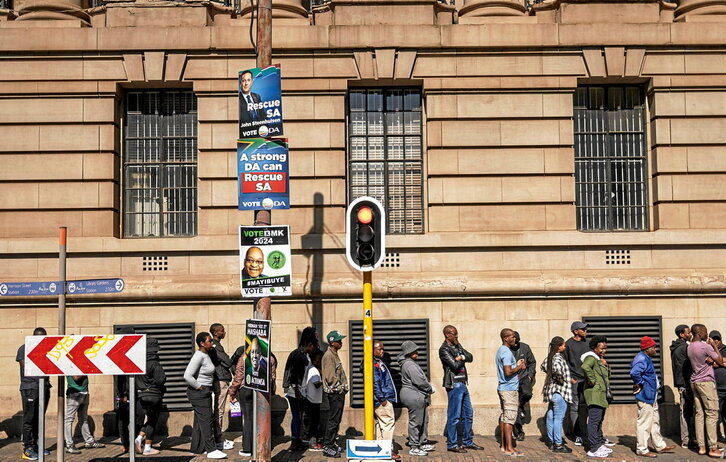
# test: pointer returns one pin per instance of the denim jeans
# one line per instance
(459, 410)
(555, 418)
(296, 415)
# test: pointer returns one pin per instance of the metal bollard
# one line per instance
(41, 420)
(132, 418)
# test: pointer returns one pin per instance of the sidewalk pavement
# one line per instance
(176, 449)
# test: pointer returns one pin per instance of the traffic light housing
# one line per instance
(365, 234)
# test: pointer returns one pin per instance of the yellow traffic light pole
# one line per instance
(368, 352)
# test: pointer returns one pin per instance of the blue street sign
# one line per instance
(373, 449)
(95, 286)
(89, 286)
(24, 289)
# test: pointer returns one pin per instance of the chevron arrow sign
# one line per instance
(85, 355)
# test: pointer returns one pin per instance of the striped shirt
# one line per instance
(559, 380)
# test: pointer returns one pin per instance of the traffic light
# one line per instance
(365, 234)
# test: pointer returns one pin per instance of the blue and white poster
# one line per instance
(263, 174)
(260, 102)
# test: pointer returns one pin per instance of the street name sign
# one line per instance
(25, 289)
(48, 355)
(95, 286)
(79, 287)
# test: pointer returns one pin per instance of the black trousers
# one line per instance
(30, 415)
(244, 396)
(203, 430)
(151, 406)
(312, 414)
(595, 416)
(525, 395)
(335, 414)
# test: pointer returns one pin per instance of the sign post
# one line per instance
(60, 414)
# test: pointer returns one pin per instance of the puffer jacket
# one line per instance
(642, 372)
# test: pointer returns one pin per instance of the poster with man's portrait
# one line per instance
(260, 102)
(265, 261)
(257, 360)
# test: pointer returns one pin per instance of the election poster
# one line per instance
(257, 360)
(265, 261)
(260, 102)
(262, 174)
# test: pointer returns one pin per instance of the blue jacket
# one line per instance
(643, 373)
(383, 387)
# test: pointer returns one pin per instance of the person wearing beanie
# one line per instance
(645, 388)
(681, 368)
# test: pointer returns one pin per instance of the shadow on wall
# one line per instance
(312, 242)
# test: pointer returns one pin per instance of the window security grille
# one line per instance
(160, 164)
(610, 159)
(176, 347)
(392, 332)
(624, 334)
(385, 154)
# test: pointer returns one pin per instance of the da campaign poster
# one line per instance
(260, 102)
(265, 261)
(257, 360)
(262, 173)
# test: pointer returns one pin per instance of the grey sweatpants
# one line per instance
(418, 417)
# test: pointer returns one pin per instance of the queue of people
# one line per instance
(576, 383)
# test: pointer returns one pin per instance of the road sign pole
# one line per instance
(132, 418)
(368, 352)
(41, 421)
(60, 414)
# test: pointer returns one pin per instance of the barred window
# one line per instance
(610, 159)
(160, 164)
(385, 154)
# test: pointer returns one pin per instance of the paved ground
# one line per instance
(176, 449)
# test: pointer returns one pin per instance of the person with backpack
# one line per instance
(150, 391)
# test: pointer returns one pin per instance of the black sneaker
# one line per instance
(72, 449)
(331, 451)
(561, 449)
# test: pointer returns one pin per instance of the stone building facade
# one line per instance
(558, 160)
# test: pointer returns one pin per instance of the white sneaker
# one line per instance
(428, 447)
(242, 453)
(608, 443)
(417, 452)
(216, 454)
(578, 441)
(606, 449)
(600, 454)
(227, 445)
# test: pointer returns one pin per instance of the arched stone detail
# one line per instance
(700, 7)
(52, 10)
(280, 9)
(482, 8)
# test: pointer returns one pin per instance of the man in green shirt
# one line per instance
(77, 402)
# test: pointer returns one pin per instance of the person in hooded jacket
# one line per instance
(645, 387)
(150, 392)
(682, 370)
(416, 396)
(597, 383)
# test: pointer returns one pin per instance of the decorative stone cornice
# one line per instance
(603, 11)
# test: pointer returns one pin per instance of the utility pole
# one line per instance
(60, 415)
(262, 309)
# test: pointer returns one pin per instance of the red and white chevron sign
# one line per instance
(85, 355)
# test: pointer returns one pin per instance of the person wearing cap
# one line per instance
(645, 388)
(681, 368)
(703, 356)
(416, 396)
(335, 386)
(576, 347)
(720, 373)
